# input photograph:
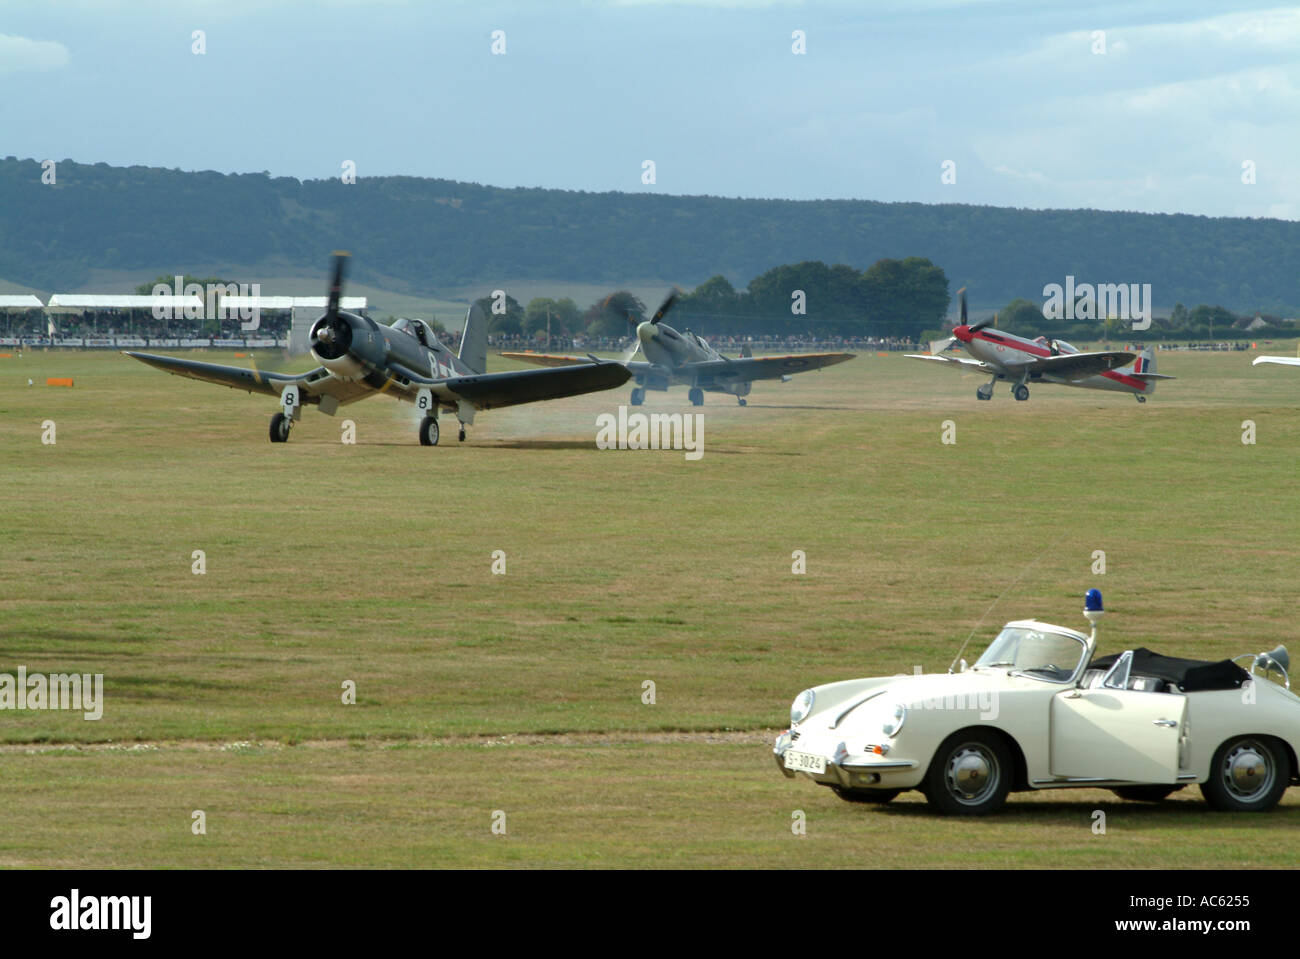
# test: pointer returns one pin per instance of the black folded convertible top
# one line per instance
(1189, 675)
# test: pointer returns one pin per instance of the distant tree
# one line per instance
(509, 323)
(616, 315)
(564, 316)
(1022, 317)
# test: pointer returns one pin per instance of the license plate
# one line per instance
(804, 762)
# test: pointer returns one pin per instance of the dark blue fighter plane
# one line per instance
(360, 358)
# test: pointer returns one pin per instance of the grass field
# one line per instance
(522, 692)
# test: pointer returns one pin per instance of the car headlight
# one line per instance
(802, 706)
(894, 723)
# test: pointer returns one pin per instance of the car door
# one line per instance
(1119, 734)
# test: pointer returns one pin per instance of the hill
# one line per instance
(421, 236)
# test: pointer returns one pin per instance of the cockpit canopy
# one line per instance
(418, 329)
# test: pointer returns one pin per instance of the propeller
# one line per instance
(938, 346)
(331, 336)
(665, 306)
(658, 316)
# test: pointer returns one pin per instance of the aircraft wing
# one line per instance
(563, 359)
(313, 384)
(954, 362)
(750, 368)
(492, 390)
(1078, 366)
(1283, 360)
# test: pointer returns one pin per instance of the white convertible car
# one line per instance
(1037, 711)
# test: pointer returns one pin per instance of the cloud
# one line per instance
(19, 53)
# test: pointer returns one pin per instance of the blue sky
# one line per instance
(1011, 92)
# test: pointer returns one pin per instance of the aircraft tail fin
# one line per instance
(1144, 369)
(473, 341)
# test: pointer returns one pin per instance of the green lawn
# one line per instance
(372, 563)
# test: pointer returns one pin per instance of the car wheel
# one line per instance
(1151, 793)
(970, 774)
(878, 796)
(1249, 774)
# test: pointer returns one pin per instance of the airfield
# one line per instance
(523, 693)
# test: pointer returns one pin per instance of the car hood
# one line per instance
(971, 689)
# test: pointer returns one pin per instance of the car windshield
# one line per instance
(1042, 655)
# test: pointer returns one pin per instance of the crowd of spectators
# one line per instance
(723, 344)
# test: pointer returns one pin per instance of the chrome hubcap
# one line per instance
(1248, 771)
(972, 773)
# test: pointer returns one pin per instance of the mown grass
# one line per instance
(372, 563)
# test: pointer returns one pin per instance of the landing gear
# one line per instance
(429, 431)
(742, 401)
(1020, 392)
(280, 428)
(461, 436)
(696, 396)
(984, 392)
(1140, 398)
(638, 396)
(290, 410)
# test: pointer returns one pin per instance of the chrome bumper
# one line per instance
(841, 770)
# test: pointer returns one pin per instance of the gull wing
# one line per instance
(313, 384)
(564, 359)
(493, 390)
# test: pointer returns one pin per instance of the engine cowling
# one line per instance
(331, 344)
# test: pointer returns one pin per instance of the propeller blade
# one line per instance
(336, 283)
(939, 346)
(962, 296)
(665, 306)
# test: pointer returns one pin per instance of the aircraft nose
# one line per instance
(963, 333)
(645, 332)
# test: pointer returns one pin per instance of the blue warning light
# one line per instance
(1092, 601)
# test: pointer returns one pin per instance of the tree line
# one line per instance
(892, 298)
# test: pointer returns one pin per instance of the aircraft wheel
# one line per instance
(697, 396)
(429, 431)
(743, 401)
(983, 394)
(638, 396)
(279, 428)
(461, 437)
(1142, 399)
(1021, 392)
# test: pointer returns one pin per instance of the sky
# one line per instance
(1174, 107)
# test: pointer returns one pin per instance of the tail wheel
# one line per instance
(877, 796)
(970, 774)
(697, 396)
(280, 428)
(1248, 774)
(429, 431)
